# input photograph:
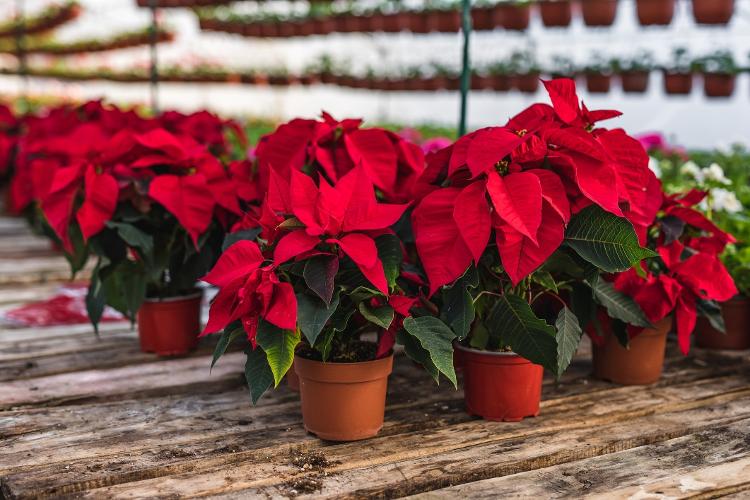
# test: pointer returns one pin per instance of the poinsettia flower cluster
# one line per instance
(525, 180)
(690, 270)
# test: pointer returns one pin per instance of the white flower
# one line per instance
(693, 170)
(655, 167)
(715, 173)
(725, 200)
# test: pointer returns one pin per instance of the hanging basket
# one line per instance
(655, 12)
(713, 11)
(556, 13)
(599, 12)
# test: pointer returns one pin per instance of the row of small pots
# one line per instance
(346, 401)
(675, 83)
(50, 20)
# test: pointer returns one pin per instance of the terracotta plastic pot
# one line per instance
(641, 364)
(528, 84)
(481, 82)
(713, 11)
(599, 12)
(718, 84)
(556, 12)
(598, 83)
(736, 313)
(170, 327)
(418, 22)
(343, 401)
(482, 19)
(635, 82)
(655, 12)
(502, 83)
(513, 17)
(500, 386)
(292, 379)
(678, 83)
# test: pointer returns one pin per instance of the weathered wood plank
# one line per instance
(14, 294)
(37, 270)
(672, 465)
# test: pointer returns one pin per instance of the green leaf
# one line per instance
(258, 374)
(320, 273)
(389, 251)
(458, 305)
(437, 339)
(80, 255)
(607, 241)
(279, 347)
(545, 280)
(381, 316)
(513, 320)
(712, 312)
(245, 234)
(413, 348)
(134, 237)
(125, 287)
(582, 303)
(96, 299)
(619, 305)
(620, 331)
(480, 337)
(227, 337)
(313, 314)
(568, 337)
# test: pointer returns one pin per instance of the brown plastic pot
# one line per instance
(713, 11)
(500, 386)
(635, 82)
(736, 313)
(599, 12)
(598, 83)
(482, 19)
(555, 13)
(481, 82)
(640, 364)
(170, 327)
(718, 84)
(343, 401)
(502, 83)
(513, 17)
(655, 12)
(678, 83)
(418, 22)
(528, 83)
(292, 379)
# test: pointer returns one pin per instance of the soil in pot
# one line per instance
(343, 401)
(555, 13)
(713, 11)
(655, 12)
(635, 82)
(599, 12)
(736, 313)
(500, 386)
(598, 83)
(170, 327)
(678, 83)
(718, 84)
(640, 364)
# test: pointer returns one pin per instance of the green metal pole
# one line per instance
(465, 64)
(153, 41)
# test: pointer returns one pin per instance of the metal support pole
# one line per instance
(20, 33)
(153, 31)
(465, 63)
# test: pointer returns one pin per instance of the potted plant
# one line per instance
(491, 280)
(678, 75)
(562, 67)
(481, 80)
(719, 74)
(555, 13)
(635, 72)
(713, 11)
(513, 15)
(655, 12)
(443, 16)
(483, 16)
(322, 287)
(500, 73)
(598, 74)
(525, 71)
(599, 12)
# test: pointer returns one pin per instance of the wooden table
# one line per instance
(88, 417)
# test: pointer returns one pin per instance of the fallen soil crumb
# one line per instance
(167, 454)
(310, 461)
(302, 486)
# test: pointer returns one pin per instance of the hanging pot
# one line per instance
(418, 22)
(500, 386)
(655, 12)
(640, 364)
(481, 82)
(555, 13)
(528, 83)
(713, 11)
(501, 83)
(482, 19)
(635, 82)
(736, 313)
(599, 12)
(343, 401)
(514, 17)
(170, 326)
(598, 83)
(718, 84)
(678, 83)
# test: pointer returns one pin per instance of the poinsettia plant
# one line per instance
(511, 212)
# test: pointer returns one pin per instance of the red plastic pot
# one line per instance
(343, 401)
(418, 22)
(718, 84)
(655, 12)
(639, 364)
(528, 84)
(170, 327)
(635, 82)
(481, 82)
(736, 313)
(598, 83)
(599, 12)
(513, 17)
(500, 386)
(713, 11)
(555, 13)
(482, 19)
(502, 83)
(678, 83)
